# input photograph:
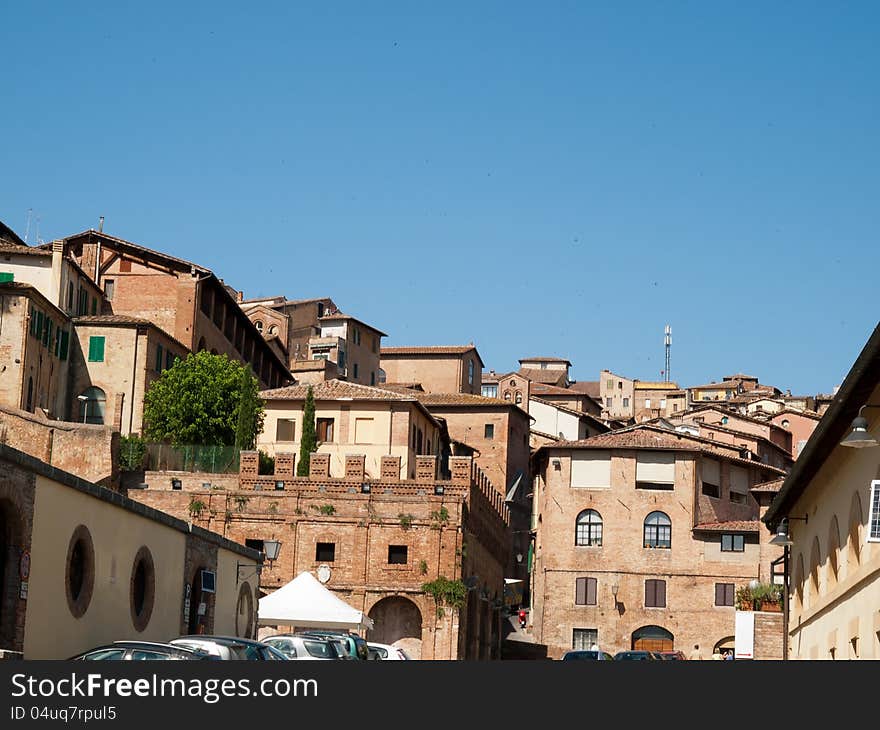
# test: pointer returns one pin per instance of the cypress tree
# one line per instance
(309, 440)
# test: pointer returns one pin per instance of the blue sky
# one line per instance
(559, 178)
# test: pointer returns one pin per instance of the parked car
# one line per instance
(667, 655)
(386, 652)
(586, 655)
(304, 647)
(140, 651)
(354, 646)
(637, 656)
(230, 647)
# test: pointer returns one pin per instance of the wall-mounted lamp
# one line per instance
(439, 489)
(365, 488)
(614, 589)
(176, 484)
(859, 438)
(557, 464)
(279, 486)
(782, 536)
(519, 557)
(271, 549)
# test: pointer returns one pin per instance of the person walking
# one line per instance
(717, 655)
(696, 654)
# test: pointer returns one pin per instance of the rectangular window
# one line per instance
(364, 431)
(124, 266)
(324, 429)
(647, 402)
(96, 349)
(610, 385)
(65, 345)
(662, 403)
(739, 484)
(355, 370)
(711, 471)
(109, 286)
(489, 431)
(397, 554)
(254, 543)
(733, 543)
(585, 592)
(159, 358)
(608, 402)
(47, 332)
(655, 594)
(584, 638)
(626, 402)
(325, 552)
(285, 429)
(724, 594)
(655, 470)
(489, 391)
(591, 469)
(169, 358)
(94, 306)
(372, 377)
(874, 513)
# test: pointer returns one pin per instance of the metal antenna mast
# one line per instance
(27, 230)
(667, 341)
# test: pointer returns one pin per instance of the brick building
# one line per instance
(380, 540)
(547, 370)
(642, 537)
(801, 424)
(351, 344)
(293, 321)
(188, 302)
(438, 369)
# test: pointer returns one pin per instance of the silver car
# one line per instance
(303, 647)
(230, 647)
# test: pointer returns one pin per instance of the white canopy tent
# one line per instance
(305, 603)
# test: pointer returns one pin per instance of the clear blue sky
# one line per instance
(560, 178)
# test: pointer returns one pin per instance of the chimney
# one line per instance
(240, 297)
(101, 224)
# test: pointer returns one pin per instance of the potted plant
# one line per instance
(768, 597)
(744, 599)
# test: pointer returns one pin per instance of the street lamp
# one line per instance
(783, 538)
(82, 404)
(271, 549)
(614, 589)
(859, 437)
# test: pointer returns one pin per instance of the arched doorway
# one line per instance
(93, 402)
(398, 621)
(195, 623)
(652, 638)
(728, 643)
(9, 585)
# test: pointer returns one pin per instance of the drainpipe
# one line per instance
(137, 331)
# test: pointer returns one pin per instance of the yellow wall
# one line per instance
(51, 631)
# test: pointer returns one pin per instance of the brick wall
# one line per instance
(90, 452)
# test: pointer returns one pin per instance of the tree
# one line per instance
(206, 399)
(309, 441)
(250, 412)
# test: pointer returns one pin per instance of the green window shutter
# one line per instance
(47, 337)
(96, 349)
(65, 343)
(94, 306)
(6, 276)
(169, 359)
(158, 358)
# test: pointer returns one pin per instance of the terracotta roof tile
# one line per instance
(731, 526)
(639, 438)
(546, 389)
(462, 399)
(428, 350)
(550, 377)
(544, 359)
(8, 247)
(332, 316)
(111, 319)
(334, 390)
(773, 486)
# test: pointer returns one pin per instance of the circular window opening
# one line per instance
(785, 423)
(724, 420)
(143, 589)
(80, 571)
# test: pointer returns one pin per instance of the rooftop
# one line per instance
(773, 486)
(731, 526)
(545, 359)
(334, 390)
(334, 316)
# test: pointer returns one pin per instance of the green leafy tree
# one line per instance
(250, 412)
(200, 400)
(309, 440)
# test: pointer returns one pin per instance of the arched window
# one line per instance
(507, 395)
(382, 376)
(273, 329)
(518, 398)
(259, 325)
(854, 544)
(831, 574)
(814, 571)
(588, 530)
(93, 401)
(658, 530)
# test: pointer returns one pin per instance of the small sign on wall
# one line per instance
(24, 565)
(23, 591)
